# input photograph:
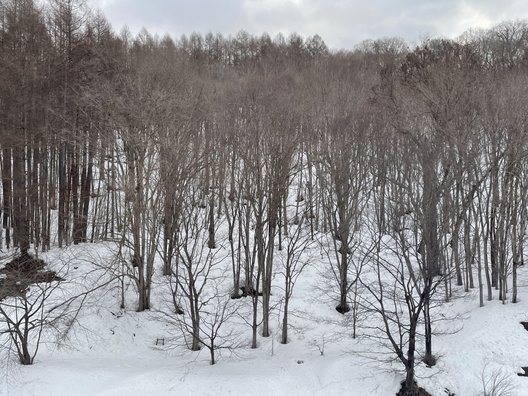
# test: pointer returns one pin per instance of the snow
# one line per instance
(114, 352)
(491, 340)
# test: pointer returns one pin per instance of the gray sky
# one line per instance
(341, 23)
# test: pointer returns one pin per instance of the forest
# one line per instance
(218, 171)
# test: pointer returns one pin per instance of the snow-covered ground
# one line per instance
(114, 352)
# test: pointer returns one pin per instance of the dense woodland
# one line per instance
(406, 166)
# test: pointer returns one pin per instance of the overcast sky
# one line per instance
(341, 23)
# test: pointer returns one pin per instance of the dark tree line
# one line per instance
(149, 141)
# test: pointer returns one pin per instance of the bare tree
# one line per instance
(28, 305)
(294, 261)
(198, 266)
(343, 173)
(399, 294)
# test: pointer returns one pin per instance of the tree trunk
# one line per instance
(62, 196)
(409, 367)
(21, 227)
(7, 180)
(343, 306)
(284, 338)
(428, 358)
(430, 221)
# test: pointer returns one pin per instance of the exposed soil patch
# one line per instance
(249, 292)
(343, 310)
(22, 272)
(415, 391)
(430, 361)
(525, 369)
(525, 374)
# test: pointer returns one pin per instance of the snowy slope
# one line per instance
(114, 352)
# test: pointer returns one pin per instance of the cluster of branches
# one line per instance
(147, 141)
